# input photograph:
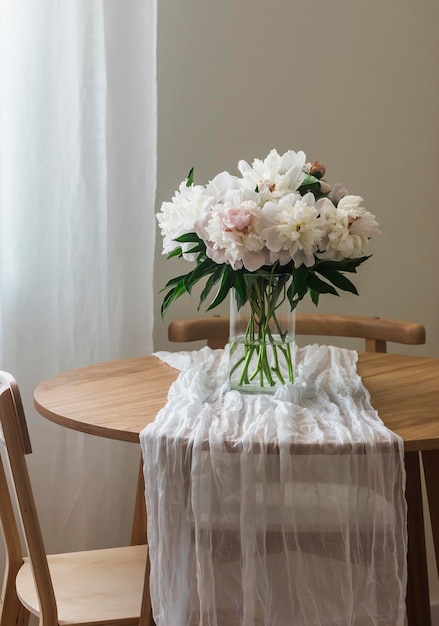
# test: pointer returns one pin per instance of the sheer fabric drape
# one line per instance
(274, 510)
(77, 185)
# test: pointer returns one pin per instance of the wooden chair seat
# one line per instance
(87, 585)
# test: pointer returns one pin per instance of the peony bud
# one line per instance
(317, 169)
(338, 192)
(324, 186)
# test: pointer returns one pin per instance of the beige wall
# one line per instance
(353, 84)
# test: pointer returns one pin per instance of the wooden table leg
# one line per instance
(146, 610)
(139, 537)
(138, 531)
(418, 596)
(430, 461)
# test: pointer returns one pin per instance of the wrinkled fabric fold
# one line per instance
(274, 510)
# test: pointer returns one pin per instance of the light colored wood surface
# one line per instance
(118, 399)
(97, 586)
(138, 531)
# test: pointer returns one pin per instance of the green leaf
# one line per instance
(200, 247)
(314, 189)
(339, 281)
(310, 183)
(316, 284)
(314, 295)
(190, 178)
(240, 289)
(211, 281)
(201, 270)
(347, 265)
(173, 281)
(172, 295)
(175, 252)
(225, 286)
(309, 180)
(298, 287)
(188, 238)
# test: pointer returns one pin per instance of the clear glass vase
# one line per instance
(262, 335)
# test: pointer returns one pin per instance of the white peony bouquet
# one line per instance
(279, 217)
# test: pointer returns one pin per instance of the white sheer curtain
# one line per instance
(77, 186)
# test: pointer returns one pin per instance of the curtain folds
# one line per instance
(77, 185)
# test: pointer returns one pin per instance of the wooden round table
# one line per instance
(119, 398)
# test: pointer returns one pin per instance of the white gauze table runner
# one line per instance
(284, 510)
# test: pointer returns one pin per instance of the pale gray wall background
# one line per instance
(353, 84)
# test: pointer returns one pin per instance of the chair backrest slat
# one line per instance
(375, 331)
(16, 438)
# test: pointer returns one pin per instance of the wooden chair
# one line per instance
(375, 331)
(75, 589)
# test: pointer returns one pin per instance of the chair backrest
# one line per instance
(17, 444)
(375, 331)
(9, 602)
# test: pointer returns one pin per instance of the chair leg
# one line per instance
(430, 461)
(418, 596)
(138, 531)
(23, 617)
(13, 613)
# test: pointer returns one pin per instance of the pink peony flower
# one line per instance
(237, 218)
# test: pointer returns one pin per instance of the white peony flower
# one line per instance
(178, 217)
(277, 175)
(231, 231)
(294, 230)
(348, 228)
(222, 184)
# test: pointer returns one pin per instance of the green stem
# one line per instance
(263, 346)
